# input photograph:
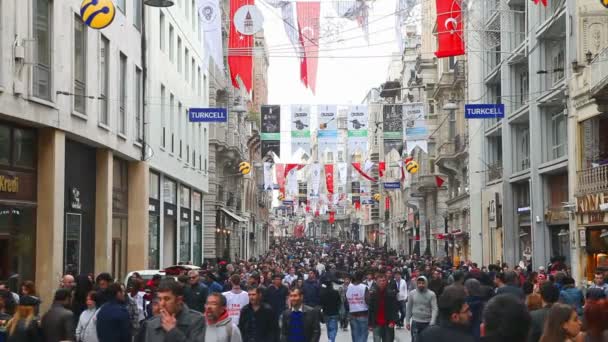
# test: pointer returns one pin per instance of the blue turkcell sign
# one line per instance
(392, 185)
(484, 111)
(208, 115)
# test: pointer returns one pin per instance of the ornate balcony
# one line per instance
(592, 180)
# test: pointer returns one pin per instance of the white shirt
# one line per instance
(289, 279)
(235, 302)
(320, 268)
(139, 300)
(402, 286)
(355, 294)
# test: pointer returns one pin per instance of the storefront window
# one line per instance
(72, 252)
(17, 242)
(154, 242)
(169, 191)
(197, 244)
(5, 145)
(24, 148)
(595, 141)
(196, 201)
(184, 197)
(154, 185)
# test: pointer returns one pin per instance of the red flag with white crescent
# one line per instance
(308, 27)
(240, 55)
(450, 33)
(329, 177)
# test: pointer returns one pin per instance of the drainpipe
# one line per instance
(144, 71)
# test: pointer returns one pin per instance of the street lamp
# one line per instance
(159, 3)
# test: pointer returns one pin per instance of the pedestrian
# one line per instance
(276, 295)
(102, 282)
(454, 318)
(13, 301)
(220, 327)
(401, 297)
(236, 298)
(599, 282)
(476, 303)
(383, 310)
(114, 323)
(29, 289)
(58, 322)
(290, 278)
(86, 330)
(195, 294)
(357, 296)
(344, 305)
(4, 316)
(23, 327)
(505, 319)
(572, 296)
(508, 283)
(312, 290)
(257, 321)
(67, 282)
(83, 286)
(596, 317)
(300, 323)
(175, 321)
(562, 324)
(136, 296)
(330, 303)
(421, 308)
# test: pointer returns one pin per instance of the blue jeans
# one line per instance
(358, 328)
(332, 328)
(417, 329)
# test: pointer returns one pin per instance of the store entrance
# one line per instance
(4, 257)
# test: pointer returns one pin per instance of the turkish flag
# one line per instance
(387, 203)
(281, 177)
(329, 178)
(308, 29)
(332, 217)
(543, 1)
(357, 167)
(381, 168)
(289, 167)
(358, 205)
(439, 181)
(450, 33)
(240, 53)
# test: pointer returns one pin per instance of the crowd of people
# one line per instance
(300, 284)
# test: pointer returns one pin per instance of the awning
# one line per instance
(234, 216)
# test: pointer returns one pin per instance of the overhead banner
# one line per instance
(328, 129)
(292, 182)
(392, 121)
(268, 183)
(271, 129)
(300, 130)
(329, 178)
(415, 129)
(342, 174)
(358, 125)
(315, 179)
(210, 16)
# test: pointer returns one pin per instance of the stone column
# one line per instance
(103, 211)
(138, 222)
(50, 212)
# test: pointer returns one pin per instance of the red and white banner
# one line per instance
(308, 27)
(332, 217)
(329, 178)
(240, 55)
(381, 168)
(357, 167)
(280, 169)
(450, 33)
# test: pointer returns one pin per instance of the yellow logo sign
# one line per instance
(9, 184)
(97, 14)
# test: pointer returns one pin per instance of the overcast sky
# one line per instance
(339, 80)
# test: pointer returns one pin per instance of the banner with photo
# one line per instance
(300, 130)
(315, 179)
(271, 129)
(358, 125)
(392, 121)
(415, 130)
(328, 129)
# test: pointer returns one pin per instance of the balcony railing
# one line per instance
(592, 180)
(599, 73)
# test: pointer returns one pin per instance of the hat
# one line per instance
(541, 268)
(28, 301)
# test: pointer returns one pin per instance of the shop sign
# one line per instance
(593, 206)
(9, 184)
(582, 237)
(75, 199)
(555, 215)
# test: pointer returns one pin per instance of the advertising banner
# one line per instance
(392, 121)
(328, 128)
(208, 115)
(415, 129)
(358, 125)
(271, 129)
(300, 129)
(484, 111)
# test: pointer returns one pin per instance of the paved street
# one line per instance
(401, 335)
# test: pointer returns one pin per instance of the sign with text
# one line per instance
(484, 111)
(208, 114)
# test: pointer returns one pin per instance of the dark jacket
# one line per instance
(258, 326)
(214, 287)
(476, 305)
(330, 301)
(312, 292)
(538, 323)
(512, 290)
(446, 331)
(113, 323)
(277, 298)
(23, 333)
(312, 324)
(58, 324)
(190, 327)
(437, 286)
(390, 305)
(196, 297)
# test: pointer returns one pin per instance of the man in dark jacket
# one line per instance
(113, 320)
(195, 295)
(300, 322)
(505, 319)
(257, 321)
(212, 284)
(58, 322)
(454, 318)
(436, 284)
(330, 302)
(506, 283)
(312, 290)
(550, 295)
(176, 321)
(383, 309)
(276, 295)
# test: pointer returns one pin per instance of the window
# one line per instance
(18, 147)
(204, 86)
(186, 10)
(452, 125)
(5, 145)
(171, 43)
(179, 128)
(172, 121)
(42, 54)
(137, 14)
(193, 81)
(121, 5)
(163, 116)
(187, 154)
(193, 158)
(199, 81)
(193, 15)
(187, 64)
(104, 74)
(161, 31)
(522, 152)
(122, 120)
(558, 134)
(138, 104)
(179, 54)
(80, 67)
